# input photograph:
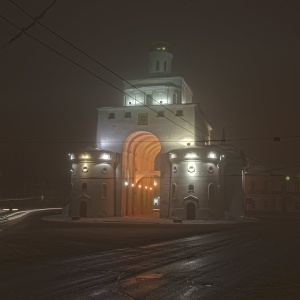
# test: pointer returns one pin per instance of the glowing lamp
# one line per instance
(105, 156)
(85, 155)
(173, 155)
(212, 155)
(126, 183)
(191, 155)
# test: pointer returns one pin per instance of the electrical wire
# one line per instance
(108, 69)
(35, 20)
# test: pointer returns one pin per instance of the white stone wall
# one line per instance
(93, 181)
(112, 133)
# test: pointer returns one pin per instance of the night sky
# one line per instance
(240, 58)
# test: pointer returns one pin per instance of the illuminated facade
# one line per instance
(154, 155)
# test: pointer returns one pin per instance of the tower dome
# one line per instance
(160, 59)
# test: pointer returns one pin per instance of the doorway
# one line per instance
(83, 209)
(190, 211)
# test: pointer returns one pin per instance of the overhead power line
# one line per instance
(35, 20)
(108, 69)
(92, 73)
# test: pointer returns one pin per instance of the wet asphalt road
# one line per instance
(45, 260)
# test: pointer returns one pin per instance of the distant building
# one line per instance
(154, 154)
(271, 194)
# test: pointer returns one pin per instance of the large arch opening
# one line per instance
(140, 173)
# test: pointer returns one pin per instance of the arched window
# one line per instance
(191, 188)
(173, 190)
(148, 99)
(104, 190)
(84, 187)
(210, 192)
(175, 98)
(157, 65)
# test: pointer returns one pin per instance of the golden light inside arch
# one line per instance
(140, 150)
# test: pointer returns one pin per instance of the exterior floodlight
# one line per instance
(85, 155)
(287, 178)
(191, 155)
(105, 156)
(126, 183)
(212, 155)
(132, 184)
(173, 155)
(140, 186)
(155, 183)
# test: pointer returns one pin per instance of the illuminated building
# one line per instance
(161, 156)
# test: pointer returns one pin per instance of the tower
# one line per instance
(160, 60)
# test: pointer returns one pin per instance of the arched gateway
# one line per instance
(154, 154)
(140, 164)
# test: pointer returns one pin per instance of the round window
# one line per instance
(191, 169)
(174, 169)
(210, 169)
(104, 170)
(85, 169)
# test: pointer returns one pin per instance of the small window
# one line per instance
(84, 187)
(165, 66)
(175, 98)
(127, 114)
(173, 190)
(129, 103)
(160, 114)
(104, 190)
(210, 192)
(157, 66)
(111, 115)
(148, 99)
(179, 113)
(104, 170)
(191, 188)
(210, 169)
(191, 169)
